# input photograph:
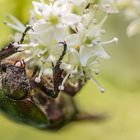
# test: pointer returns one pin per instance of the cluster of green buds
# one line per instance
(76, 23)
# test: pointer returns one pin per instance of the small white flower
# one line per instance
(55, 20)
(56, 13)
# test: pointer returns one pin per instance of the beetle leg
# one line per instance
(71, 89)
(3, 67)
(57, 79)
(83, 116)
(24, 34)
(12, 48)
(87, 6)
(0, 68)
(42, 87)
(57, 71)
(41, 84)
(7, 51)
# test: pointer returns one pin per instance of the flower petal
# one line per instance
(73, 57)
(73, 40)
(96, 51)
(133, 28)
(70, 19)
(40, 9)
(100, 52)
(77, 2)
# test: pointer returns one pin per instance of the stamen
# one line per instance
(102, 90)
(81, 72)
(51, 59)
(38, 54)
(96, 71)
(75, 70)
(28, 58)
(103, 20)
(13, 26)
(43, 60)
(71, 75)
(61, 87)
(27, 51)
(67, 67)
(96, 42)
(27, 45)
(114, 40)
(38, 79)
(16, 21)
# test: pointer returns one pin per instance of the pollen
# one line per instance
(77, 48)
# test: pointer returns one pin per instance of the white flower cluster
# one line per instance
(131, 10)
(76, 23)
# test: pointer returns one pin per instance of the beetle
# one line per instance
(37, 104)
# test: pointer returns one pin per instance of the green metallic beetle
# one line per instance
(37, 104)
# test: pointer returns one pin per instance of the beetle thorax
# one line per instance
(15, 83)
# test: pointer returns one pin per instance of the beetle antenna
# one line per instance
(24, 34)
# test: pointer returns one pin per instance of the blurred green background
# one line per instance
(119, 75)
